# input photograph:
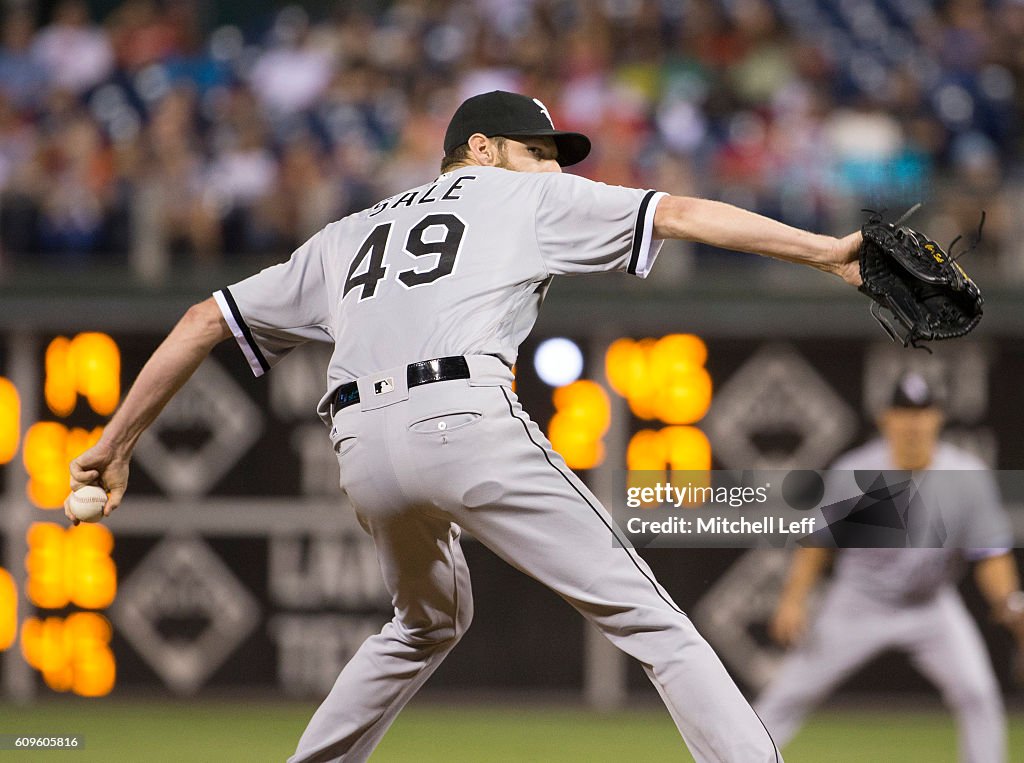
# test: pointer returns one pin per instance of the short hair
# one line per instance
(460, 154)
(456, 156)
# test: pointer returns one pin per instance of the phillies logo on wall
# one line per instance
(184, 611)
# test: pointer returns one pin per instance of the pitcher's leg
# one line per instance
(426, 573)
(545, 522)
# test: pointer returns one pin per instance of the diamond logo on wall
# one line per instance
(738, 606)
(203, 432)
(184, 611)
(776, 412)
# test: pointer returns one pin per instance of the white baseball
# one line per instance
(87, 503)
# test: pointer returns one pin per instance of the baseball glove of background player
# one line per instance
(926, 294)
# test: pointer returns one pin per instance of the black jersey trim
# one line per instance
(638, 232)
(611, 528)
(246, 331)
(770, 737)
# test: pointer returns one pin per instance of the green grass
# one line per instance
(181, 732)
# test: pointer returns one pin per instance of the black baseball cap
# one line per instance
(913, 391)
(513, 116)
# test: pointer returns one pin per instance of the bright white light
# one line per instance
(558, 361)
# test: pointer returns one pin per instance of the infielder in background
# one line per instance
(426, 298)
(904, 598)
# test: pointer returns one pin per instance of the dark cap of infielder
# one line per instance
(513, 116)
(913, 391)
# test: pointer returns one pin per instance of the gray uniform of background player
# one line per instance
(905, 599)
(419, 464)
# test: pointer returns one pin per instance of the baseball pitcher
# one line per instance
(426, 297)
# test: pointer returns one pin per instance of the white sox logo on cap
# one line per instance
(545, 112)
(915, 388)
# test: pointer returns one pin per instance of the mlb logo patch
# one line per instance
(383, 386)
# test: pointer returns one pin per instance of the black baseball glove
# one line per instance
(927, 295)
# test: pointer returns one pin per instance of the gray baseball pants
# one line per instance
(420, 464)
(941, 640)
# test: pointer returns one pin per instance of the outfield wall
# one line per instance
(239, 564)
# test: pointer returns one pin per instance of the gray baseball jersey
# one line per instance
(905, 599)
(961, 495)
(460, 266)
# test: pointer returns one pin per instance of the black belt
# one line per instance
(423, 372)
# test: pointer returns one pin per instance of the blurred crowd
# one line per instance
(152, 125)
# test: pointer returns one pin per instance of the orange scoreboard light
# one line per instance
(664, 380)
(582, 416)
(8, 610)
(70, 573)
(10, 421)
